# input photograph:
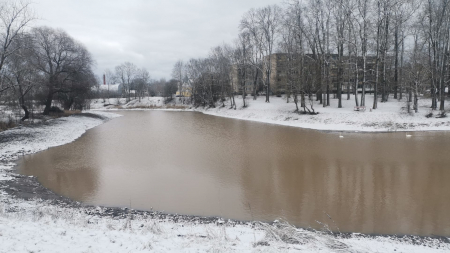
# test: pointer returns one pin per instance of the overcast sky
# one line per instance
(152, 34)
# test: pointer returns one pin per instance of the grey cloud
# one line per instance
(150, 33)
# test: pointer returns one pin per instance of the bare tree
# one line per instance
(292, 44)
(241, 60)
(263, 25)
(125, 73)
(177, 74)
(230, 54)
(341, 16)
(15, 16)
(21, 74)
(362, 19)
(417, 70)
(404, 11)
(110, 78)
(170, 88)
(436, 28)
(379, 25)
(141, 82)
(59, 59)
(222, 68)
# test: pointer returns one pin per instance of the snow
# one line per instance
(111, 87)
(62, 131)
(54, 229)
(5, 113)
(145, 103)
(36, 226)
(42, 226)
(390, 116)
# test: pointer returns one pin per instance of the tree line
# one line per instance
(137, 82)
(331, 48)
(40, 64)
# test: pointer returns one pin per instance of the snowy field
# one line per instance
(37, 225)
(390, 116)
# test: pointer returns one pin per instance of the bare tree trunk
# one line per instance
(410, 93)
(48, 102)
(401, 65)
(243, 86)
(268, 85)
(443, 73)
(416, 99)
(296, 101)
(27, 113)
(255, 84)
(363, 88)
(328, 84)
(302, 101)
(22, 104)
(356, 83)
(384, 55)
(364, 12)
(375, 92)
(396, 62)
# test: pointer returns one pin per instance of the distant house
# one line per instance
(186, 91)
(242, 78)
(122, 89)
(285, 69)
(110, 87)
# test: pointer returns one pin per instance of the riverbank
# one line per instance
(34, 219)
(390, 116)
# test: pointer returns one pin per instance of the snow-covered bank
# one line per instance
(41, 225)
(146, 103)
(34, 138)
(390, 116)
(36, 226)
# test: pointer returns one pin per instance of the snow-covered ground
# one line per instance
(390, 116)
(32, 139)
(155, 103)
(37, 225)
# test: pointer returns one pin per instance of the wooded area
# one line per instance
(394, 48)
(40, 65)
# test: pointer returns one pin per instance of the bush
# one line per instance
(8, 124)
(442, 114)
(55, 109)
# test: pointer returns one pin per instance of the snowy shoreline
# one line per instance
(33, 224)
(389, 117)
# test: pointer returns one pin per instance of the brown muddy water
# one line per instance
(195, 164)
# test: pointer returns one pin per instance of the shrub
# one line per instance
(55, 109)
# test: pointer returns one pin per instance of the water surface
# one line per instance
(196, 164)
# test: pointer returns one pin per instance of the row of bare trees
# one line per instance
(40, 64)
(131, 78)
(136, 82)
(390, 48)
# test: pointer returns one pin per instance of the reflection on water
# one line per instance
(191, 163)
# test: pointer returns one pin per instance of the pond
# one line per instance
(196, 164)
